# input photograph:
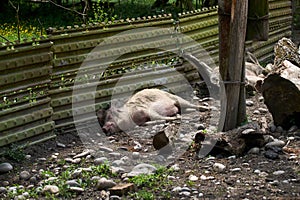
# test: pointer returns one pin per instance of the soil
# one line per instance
(238, 181)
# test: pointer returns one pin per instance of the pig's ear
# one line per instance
(101, 115)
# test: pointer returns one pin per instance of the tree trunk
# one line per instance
(232, 29)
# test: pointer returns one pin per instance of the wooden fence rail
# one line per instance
(37, 77)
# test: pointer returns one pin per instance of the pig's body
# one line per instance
(145, 105)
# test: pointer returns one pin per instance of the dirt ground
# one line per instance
(246, 177)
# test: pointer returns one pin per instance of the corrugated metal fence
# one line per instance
(37, 79)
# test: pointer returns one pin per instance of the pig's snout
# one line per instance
(109, 128)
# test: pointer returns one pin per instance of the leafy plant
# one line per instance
(15, 152)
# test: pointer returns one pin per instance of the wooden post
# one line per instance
(232, 29)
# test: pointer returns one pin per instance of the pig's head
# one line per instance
(107, 120)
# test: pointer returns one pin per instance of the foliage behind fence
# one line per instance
(37, 77)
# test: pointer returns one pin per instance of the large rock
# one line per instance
(282, 97)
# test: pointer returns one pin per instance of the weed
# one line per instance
(15, 152)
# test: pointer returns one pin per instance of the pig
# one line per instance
(144, 106)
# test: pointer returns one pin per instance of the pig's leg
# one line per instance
(182, 103)
(163, 110)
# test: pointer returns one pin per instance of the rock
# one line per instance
(263, 110)
(282, 98)
(3, 190)
(73, 183)
(257, 171)
(118, 163)
(293, 129)
(5, 167)
(175, 167)
(276, 143)
(104, 183)
(237, 169)
(60, 145)
(254, 150)
(83, 154)
(100, 161)
(279, 172)
(76, 189)
(271, 154)
(204, 178)
(114, 197)
(219, 167)
(136, 155)
(279, 129)
(248, 131)
(272, 128)
(52, 189)
(105, 149)
(25, 175)
(256, 112)
(185, 193)
(142, 169)
(122, 189)
(185, 189)
(177, 189)
(160, 140)
(200, 126)
(193, 178)
(249, 103)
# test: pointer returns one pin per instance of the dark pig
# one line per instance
(144, 106)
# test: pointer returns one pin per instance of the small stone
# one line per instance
(114, 197)
(114, 154)
(175, 167)
(185, 189)
(256, 112)
(106, 149)
(232, 157)
(279, 172)
(279, 129)
(61, 145)
(136, 155)
(100, 161)
(25, 175)
(293, 129)
(271, 154)
(53, 189)
(83, 154)
(142, 169)
(177, 189)
(249, 103)
(248, 131)
(276, 143)
(257, 171)
(77, 189)
(261, 99)
(122, 189)
(72, 183)
(3, 190)
(203, 177)
(104, 183)
(5, 167)
(254, 150)
(76, 160)
(193, 178)
(263, 110)
(272, 128)
(219, 167)
(118, 163)
(236, 169)
(200, 126)
(185, 193)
